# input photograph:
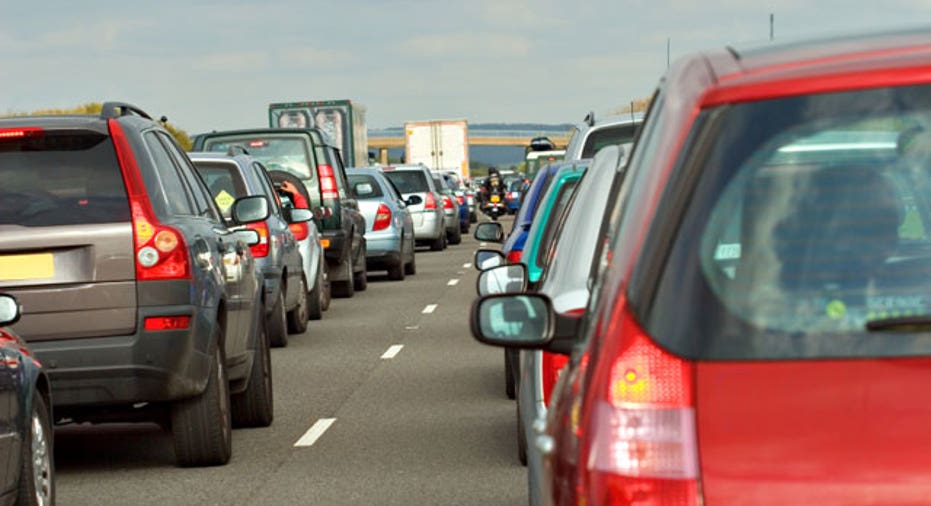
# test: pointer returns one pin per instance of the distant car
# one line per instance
(513, 197)
(28, 476)
(450, 209)
(429, 218)
(136, 288)
(389, 234)
(465, 222)
(591, 135)
(289, 289)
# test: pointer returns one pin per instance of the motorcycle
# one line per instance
(494, 207)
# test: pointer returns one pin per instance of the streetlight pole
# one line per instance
(771, 25)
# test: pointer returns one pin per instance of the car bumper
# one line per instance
(430, 227)
(338, 241)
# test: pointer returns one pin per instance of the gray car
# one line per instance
(285, 282)
(450, 209)
(389, 232)
(590, 136)
(428, 216)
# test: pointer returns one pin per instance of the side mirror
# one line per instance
(489, 231)
(413, 200)
(502, 279)
(248, 236)
(516, 321)
(9, 310)
(488, 258)
(250, 209)
(300, 216)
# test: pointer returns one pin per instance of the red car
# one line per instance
(761, 333)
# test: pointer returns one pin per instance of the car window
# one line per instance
(61, 179)
(224, 182)
(364, 186)
(409, 181)
(393, 189)
(268, 188)
(204, 206)
(173, 188)
(275, 151)
(562, 203)
(808, 229)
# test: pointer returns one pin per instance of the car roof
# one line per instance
(240, 158)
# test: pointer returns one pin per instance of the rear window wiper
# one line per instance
(919, 323)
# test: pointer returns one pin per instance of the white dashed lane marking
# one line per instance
(392, 351)
(429, 309)
(314, 432)
(466, 266)
(453, 282)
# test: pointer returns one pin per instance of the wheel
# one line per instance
(508, 375)
(327, 286)
(315, 299)
(411, 267)
(347, 287)
(361, 281)
(439, 243)
(37, 469)
(297, 317)
(456, 238)
(255, 406)
(201, 426)
(521, 439)
(473, 218)
(277, 323)
(396, 272)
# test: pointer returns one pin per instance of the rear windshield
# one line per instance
(608, 136)
(61, 179)
(288, 154)
(409, 181)
(225, 183)
(364, 186)
(809, 233)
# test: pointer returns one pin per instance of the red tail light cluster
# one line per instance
(260, 250)
(461, 200)
(328, 189)
(640, 445)
(301, 231)
(167, 322)
(382, 218)
(514, 256)
(447, 202)
(429, 202)
(553, 364)
(20, 133)
(160, 249)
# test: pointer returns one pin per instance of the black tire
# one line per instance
(396, 272)
(508, 376)
(37, 484)
(521, 440)
(456, 236)
(361, 280)
(255, 407)
(297, 317)
(315, 299)
(439, 243)
(327, 286)
(277, 323)
(202, 426)
(473, 218)
(346, 288)
(410, 268)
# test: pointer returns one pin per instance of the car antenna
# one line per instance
(631, 111)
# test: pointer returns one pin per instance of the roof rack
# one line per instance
(117, 109)
(236, 149)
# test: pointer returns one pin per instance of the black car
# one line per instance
(140, 299)
(303, 157)
(28, 477)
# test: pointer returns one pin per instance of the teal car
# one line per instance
(545, 221)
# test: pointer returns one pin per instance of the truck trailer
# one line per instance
(438, 144)
(341, 120)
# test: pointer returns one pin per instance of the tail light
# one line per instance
(160, 250)
(382, 218)
(429, 202)
(301, 231)
(514, 256)
(553, 363)
(260, 250)
(16, 134)
(328, 189)
(461, 200)
(640, 447)
(447, 202)
(167, 322)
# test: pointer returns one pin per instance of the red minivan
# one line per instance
(762, 331)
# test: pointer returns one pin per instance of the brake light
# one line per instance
(461, 200)
(514, 256)
(160, 249)
(447, 202)
(167, 322)
(20, 133)
(639, 445)
(260, 250)
(553, 364)
(382, 218)
(328, 189)
(429, 202)
(301, 231)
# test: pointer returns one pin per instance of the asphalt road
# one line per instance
(431, 425)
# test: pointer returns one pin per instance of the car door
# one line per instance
(279, 231)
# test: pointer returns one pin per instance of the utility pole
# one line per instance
(668, 42)
(771, 24)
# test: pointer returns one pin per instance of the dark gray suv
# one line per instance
(140, 301)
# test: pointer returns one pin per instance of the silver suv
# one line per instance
(428, 216)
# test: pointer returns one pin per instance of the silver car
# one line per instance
(389, 228)
(450, 209)
(428, 216)
(590, 136)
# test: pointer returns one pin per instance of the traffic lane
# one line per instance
(313, 377)
(431, 426)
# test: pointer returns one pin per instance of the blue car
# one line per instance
(389, 228)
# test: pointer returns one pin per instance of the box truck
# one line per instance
(340, 120)
(438, 144)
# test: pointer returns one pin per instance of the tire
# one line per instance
(327, 286)
(315, 299)
(37, 482)
(396, 272)
(297, 317)
(508, 376)
(361, 280)
(410, 268)
(277, 323)
(347, 288)
(456, 238)
(521, 440)
(439, 243)
(473, 218)
(255, 407)
(201, 426)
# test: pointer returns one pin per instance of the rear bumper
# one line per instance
(338, 243)
(431, 228)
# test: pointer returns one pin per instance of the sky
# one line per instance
(210, 65)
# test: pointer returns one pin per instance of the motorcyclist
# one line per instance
(493, 184)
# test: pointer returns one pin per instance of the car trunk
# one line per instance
(369, 209)
(824, 432)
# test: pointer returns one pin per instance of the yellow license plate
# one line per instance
(20, 267)
(495, 198)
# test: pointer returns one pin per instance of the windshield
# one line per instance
(276, 152)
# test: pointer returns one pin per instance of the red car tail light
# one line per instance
(553, 363)
(461, 200)
(328, 189)
(514, 256)
(301, 231)
(167, 322)
(160, 249)
(260, 250)
(447, 202)
(429, 202)
(639, 443)
(20, 133)
(382, 218)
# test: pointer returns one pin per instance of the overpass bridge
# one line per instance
(385, 139)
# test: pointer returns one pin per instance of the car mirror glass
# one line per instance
(513, 320)
(488, 258)
(300, 216)
(250, 209)
(502, 279)
(489, 232)
(248, 236)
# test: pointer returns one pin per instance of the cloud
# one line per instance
(468, 46)
(310, 56)
(233, 61)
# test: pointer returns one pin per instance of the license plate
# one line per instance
(20, 267)
(495, 198)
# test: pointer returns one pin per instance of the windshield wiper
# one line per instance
(919, 323)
